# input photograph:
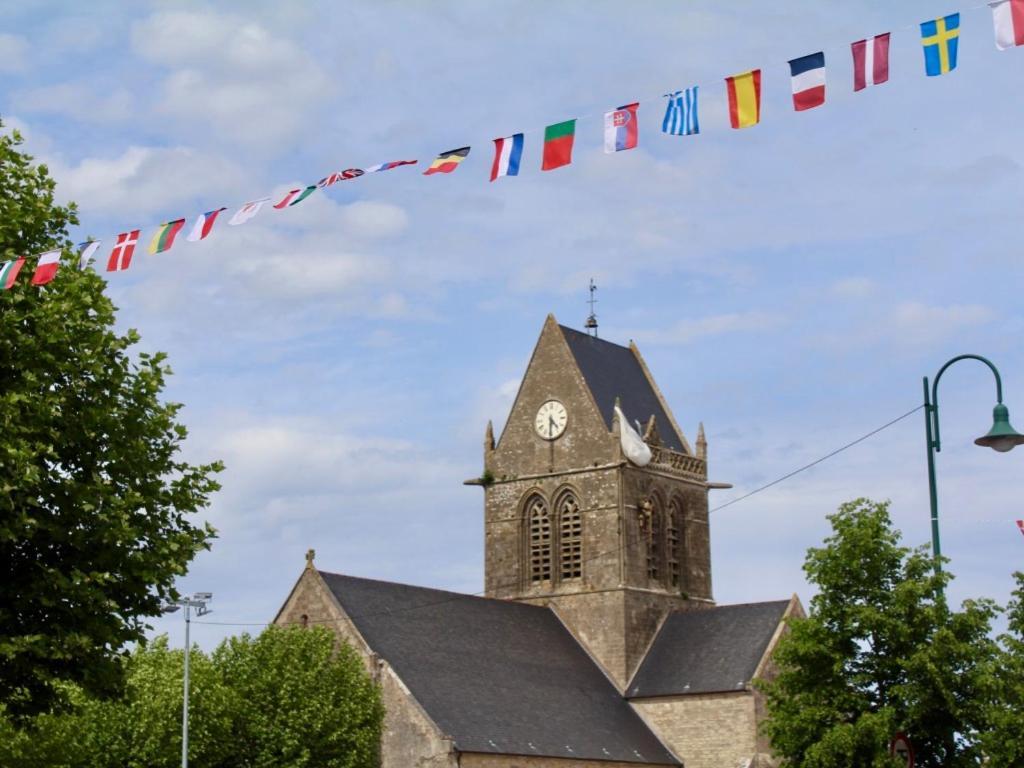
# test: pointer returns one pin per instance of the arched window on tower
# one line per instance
(539, 531)
(654, 543)
(673, 540)
(570, 537)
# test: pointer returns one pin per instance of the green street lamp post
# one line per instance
(1002, 437)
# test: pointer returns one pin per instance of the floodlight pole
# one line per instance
(188, 602)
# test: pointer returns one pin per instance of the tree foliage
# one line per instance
(95, 506)
(1003, 741)
(880, 652)
(289, 698)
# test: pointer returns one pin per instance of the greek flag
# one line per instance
(681, 113)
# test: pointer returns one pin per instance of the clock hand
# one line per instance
(551, 425)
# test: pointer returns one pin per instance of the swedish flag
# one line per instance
(940, 38)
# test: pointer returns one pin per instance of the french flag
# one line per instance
(620, 128)
(507, 154)
(808, 81)
(870, 61)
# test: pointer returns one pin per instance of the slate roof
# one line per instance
(497, 676)
(613, 371)
(708, 650)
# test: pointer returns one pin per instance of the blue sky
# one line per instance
(788, 284)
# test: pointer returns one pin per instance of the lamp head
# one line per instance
(1002, 437)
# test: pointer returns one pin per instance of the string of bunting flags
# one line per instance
(939, 39)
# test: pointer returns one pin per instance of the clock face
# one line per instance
(551, 420)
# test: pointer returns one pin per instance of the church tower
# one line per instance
(571, 522)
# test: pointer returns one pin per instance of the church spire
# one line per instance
(702, 443)
(489, 437)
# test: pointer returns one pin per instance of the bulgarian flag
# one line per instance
(558, 139)
(164, 236)
(9, 272)
(295, 196)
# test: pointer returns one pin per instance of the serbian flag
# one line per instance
(204, 225)
(9, 272)
(558, 141)
(121, 257)
(744, 98)
(446, 162)
(870, 61)
(621, 130)
(163, 238)
(507, 154)
(1008, 17)
(808, 77)
(388, 166)
(87, 252)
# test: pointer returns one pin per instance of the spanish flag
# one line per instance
(744, 98)
(448, 161)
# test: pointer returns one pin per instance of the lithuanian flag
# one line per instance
(744, 98)
(163, 239)
(448, 161)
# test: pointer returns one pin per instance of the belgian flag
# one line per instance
(448, 161)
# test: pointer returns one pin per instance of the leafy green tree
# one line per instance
(290, 698)
(1003, 742)
(95, 506)
(880, 652)
(305, 701)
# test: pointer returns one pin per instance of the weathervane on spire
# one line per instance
(591, 324)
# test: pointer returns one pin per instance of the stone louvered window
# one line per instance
(539, 521)
(673, 524)
(570, 537)
(654, 545)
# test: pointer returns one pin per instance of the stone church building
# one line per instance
(598, 644)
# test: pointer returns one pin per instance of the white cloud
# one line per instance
(14, 52)
(231, 73)
(144, 180)
(913, 322)
(370, 219)
(77, 100)
(686, 331)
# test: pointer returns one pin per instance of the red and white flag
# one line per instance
(870, 61)
(121, 257)
(247, 211)
(1020, 524)
(1008, 17)
(46, 267)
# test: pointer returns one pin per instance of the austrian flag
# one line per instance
(808, 81)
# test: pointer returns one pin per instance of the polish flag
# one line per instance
(121, 257)
(870, 61)
(203, 226)
(46, 268)
(1008, 17)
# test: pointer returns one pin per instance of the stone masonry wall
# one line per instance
(715, 730)
(410, 739)
(480, 760)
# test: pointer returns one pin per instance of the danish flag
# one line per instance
(121, 257)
